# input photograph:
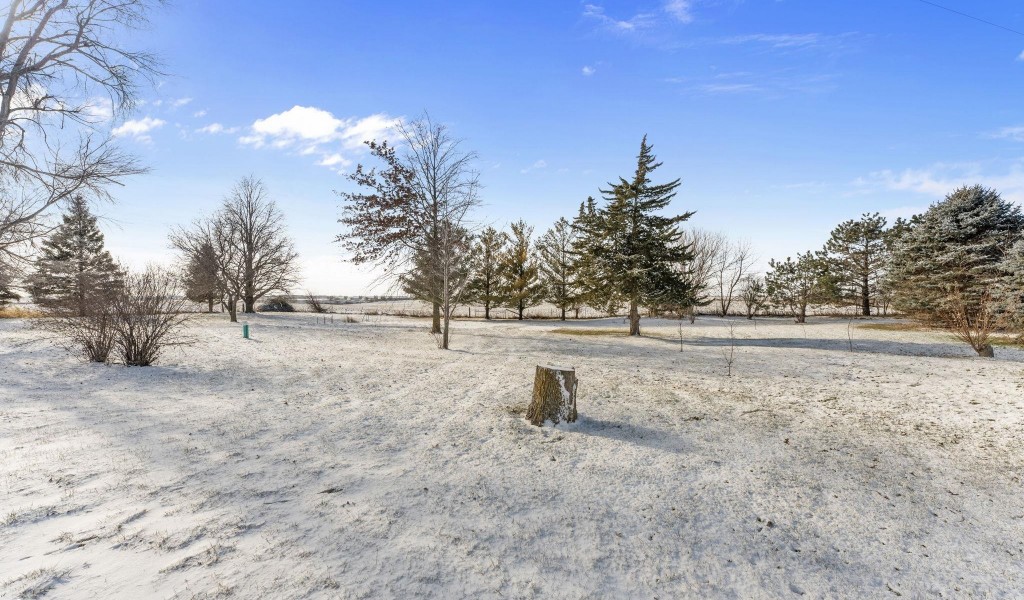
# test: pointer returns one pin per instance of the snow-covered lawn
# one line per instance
(357, 461)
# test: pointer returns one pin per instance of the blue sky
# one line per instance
(782, 118)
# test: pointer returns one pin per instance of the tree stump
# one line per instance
(554, 396)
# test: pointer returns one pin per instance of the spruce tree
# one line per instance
(75, 273)
(485, 286)
(956, 248)
(201, 276)
(521, 286)
(857, 256)
(7, 293)
(637, 251)
(592, 291)
(558, 265)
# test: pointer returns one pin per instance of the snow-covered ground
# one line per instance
(358, 461)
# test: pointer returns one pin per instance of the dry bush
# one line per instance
(314, 303)
(18, 312)
(974, 324)
(91, 334)
(147, 316)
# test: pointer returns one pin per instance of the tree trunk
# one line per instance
(249, 304)
(554, 396)
(435, 324)
(210, 304)
(563, 314)
(577, 313)
(634, 318)
(865, 299)
(487, 311)
(233, 309)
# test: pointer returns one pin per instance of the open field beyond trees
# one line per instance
(357, 461)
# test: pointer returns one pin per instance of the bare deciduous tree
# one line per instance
(974, 323)
(63, 75)
(265, 252)
(754, 295)
(413, 220)
(707, 248)
(734, 265)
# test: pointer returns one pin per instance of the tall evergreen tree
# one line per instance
(75, 272)
(201, 277)
(558, 265)
(7, 293)
(485, 287)
(956, 248)
(521, 286)
(636, 249)
(592, 291)
(857, 256)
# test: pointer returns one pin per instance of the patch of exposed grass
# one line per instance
(17, 312)
(591, 331)
(1007, 340)
(893, 326)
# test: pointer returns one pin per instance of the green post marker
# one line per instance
(245, 330)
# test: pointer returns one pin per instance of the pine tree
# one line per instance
(635, 248)
(201, 276)
(485, 286)
(7, 293)
(857, 256)
(558, 265)
(795, 285)
(521, 286)
(956, 248)
(75, 273)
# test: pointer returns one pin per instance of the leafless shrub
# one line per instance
(350, 319)
(974, 325)
(148, 316)
(90, 334)
(730, 353)
(314, 303)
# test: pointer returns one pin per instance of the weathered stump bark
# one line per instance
(554, 396)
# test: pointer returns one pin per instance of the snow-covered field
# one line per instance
(357, 461)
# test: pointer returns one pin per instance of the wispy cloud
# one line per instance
(311, 131)
(215, 128)
(775, 84)
(783, 40)
(636, 23)
(180, 102)
(1020, 56)
(680, 10)
(138, 129)
(540, 164)
(939, 179)
(588, 71)
(1015, 133)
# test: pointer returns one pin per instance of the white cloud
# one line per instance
(313, 131)
(98, 110)
(199, 114)
(785, 40)
(540, 164)
(138, 128)
(215, 128)
(1020, 56)
(588, 71)
(180, 102)
(1014, 133)
(942, 178)
(636, 23)
(680, 10)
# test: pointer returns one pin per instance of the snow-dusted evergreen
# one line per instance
(857, 257)
(558, 266)
(956, 247)
(635, 247)
(521, 285)
(74, 270)
(485, 286)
